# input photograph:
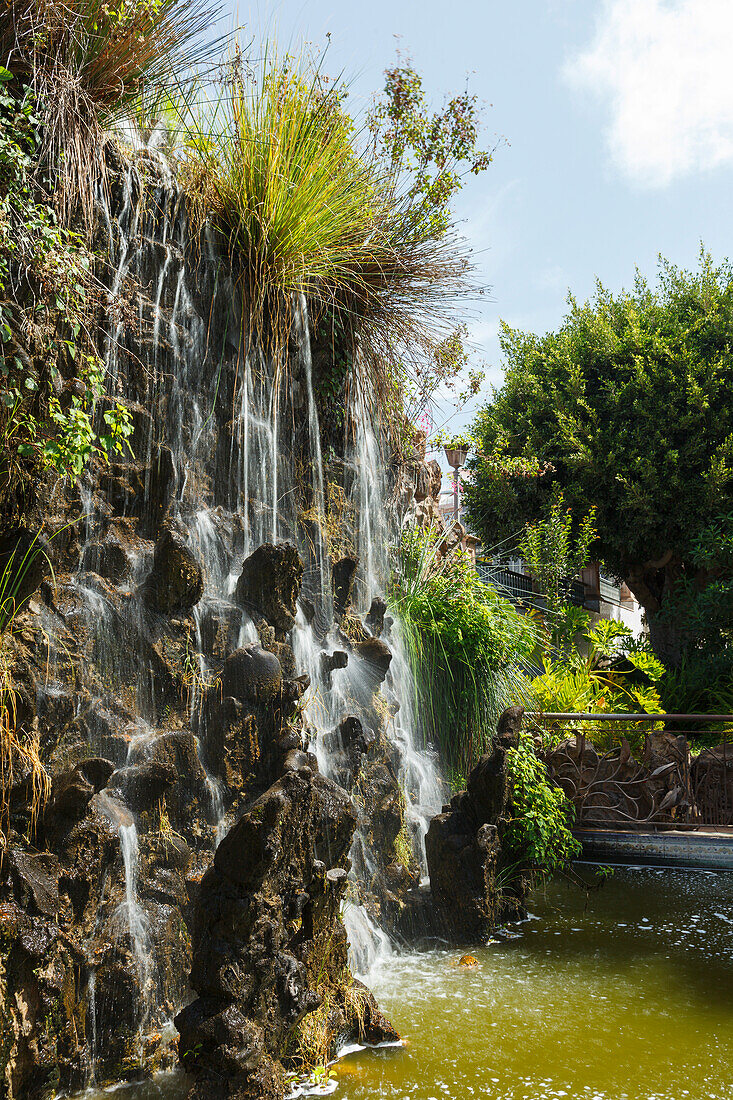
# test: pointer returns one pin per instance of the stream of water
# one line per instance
(626, 994)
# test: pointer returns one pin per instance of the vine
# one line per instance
(50, 370)
(539, 831)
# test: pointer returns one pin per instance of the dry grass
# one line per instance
(315, 1037)
(335, 522)
(91, 64)
(19, 753)
(19, 757)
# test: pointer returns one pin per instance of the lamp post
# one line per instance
(456, 457)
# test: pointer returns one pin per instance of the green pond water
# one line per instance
(624, 994)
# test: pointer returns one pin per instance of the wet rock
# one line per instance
(176, 581)
(73, 790)
(24, 563)
(141, 786)
(269, 585)
(252, 674)
(331, 661)
(188, 800)
(376, 657)
(463, 847)
(488, 787)
(383, 799)
(463, 865)
(272, 895)
(108, 559)
(343, 573)
(375, 616)
(353, 736)
(37, 881)
(308, 607)
(158, 484)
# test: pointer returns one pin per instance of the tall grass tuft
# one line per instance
(275, 162)
(91, 64)
(469, 648)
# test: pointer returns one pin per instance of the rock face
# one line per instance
(463, 847)
(269, 585)
(166, 710)
(176, 582)
(268, 945)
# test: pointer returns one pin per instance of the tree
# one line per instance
(628, 410)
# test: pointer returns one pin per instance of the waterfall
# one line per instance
(419, 773)
(228, 446)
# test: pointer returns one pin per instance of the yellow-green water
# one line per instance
(624, 995)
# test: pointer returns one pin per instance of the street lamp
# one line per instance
(456, 457)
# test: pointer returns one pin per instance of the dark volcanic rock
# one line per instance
(252, 674)
(271, 898)
(176, 582)
(107, 558)
(269, 585)
(375, 616)
(37, 880)
(73, 790)
(376, 657)
(343, 573)
(331, 661)
(24, 563)
(141, 786)
(463, 847)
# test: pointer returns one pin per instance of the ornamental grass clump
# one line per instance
(274, 163)
(469, 648)
(91, 64)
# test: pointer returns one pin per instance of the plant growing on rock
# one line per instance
(538, 832)
(90, 65)
(49, 299)
(276, 164)
(20, 760)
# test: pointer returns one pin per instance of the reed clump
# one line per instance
(470, 649)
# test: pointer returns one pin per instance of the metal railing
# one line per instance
(641, 770)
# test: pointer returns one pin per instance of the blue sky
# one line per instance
(618, 117)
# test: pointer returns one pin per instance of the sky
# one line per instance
(617, 125)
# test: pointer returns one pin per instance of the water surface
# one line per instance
(623, 994)
(626, 994)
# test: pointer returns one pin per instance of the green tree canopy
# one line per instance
(627, 409)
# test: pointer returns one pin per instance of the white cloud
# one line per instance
(667, 68)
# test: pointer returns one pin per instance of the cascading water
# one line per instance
(419, 773)
(231, 454)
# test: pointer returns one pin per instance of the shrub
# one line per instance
(606, 673)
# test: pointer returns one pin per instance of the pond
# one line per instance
(623, 994)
